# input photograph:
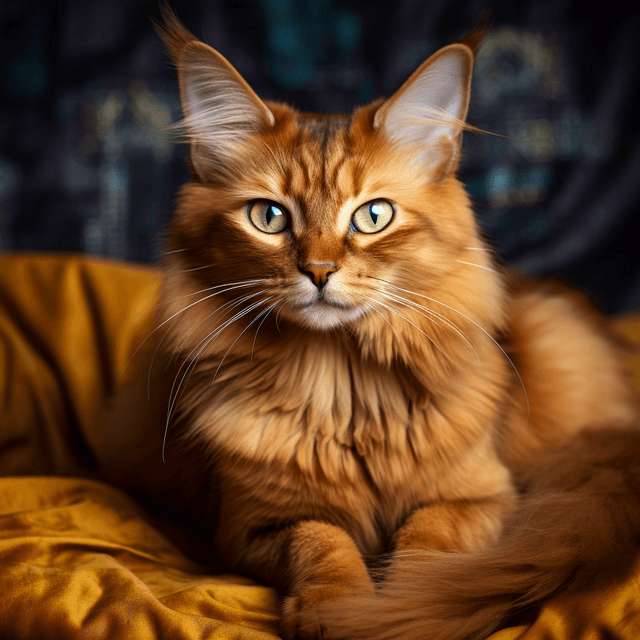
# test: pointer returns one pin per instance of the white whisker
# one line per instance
(155, 353)
(278, 313)
(227, 306)
(416, 307)
(261, 323)
(368, 305)
(207, 340)
(480, 266)
(472, 322)
(173, 396)
(411, 323)
(239, 286)
(215, 375)
(207, 266)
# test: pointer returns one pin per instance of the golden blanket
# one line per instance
(77, 559)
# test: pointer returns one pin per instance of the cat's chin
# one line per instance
(324, 316)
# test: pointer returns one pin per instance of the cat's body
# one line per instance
(331, 361)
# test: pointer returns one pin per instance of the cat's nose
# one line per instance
(319, 272)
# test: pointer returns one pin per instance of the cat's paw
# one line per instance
(301, 619)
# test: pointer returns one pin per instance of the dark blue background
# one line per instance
(86, 92)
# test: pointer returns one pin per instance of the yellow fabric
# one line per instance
(77, 560)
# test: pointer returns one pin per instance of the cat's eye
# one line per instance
(268, 216)
(373, 216)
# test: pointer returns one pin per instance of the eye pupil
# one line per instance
(270, 213)
(372, 216)
(374, 211)
(268, 217)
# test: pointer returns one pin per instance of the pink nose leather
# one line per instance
(319, 272)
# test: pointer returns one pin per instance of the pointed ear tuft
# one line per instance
(478, 34)
(173, 33)
(221, 111)
(427, 114)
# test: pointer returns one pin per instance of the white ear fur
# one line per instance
(221, 110)
(427, 113)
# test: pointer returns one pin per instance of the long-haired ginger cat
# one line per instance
(350, 398)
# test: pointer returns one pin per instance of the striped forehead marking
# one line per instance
(322, 160)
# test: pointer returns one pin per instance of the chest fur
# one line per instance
(325, 435)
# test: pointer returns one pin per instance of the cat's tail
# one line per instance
(577, 525)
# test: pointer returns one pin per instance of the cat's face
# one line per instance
(322, 211)
(322, 221)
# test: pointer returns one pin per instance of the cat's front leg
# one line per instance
(311, 562)
(460, 525)
(323, 563)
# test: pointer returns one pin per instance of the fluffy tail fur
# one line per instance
(578, 523)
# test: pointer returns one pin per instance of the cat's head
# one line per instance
(323, 222)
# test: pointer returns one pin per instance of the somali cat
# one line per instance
(354, 401)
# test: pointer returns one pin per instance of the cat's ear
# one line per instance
(220, 109)
(427, 114)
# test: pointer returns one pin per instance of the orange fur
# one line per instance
(332, 394)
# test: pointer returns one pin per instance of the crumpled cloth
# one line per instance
(77, 557)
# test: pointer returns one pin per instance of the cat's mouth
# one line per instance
(321, 313)
(321, 302)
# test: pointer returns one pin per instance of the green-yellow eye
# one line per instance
(267, 216)
(373, 216)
